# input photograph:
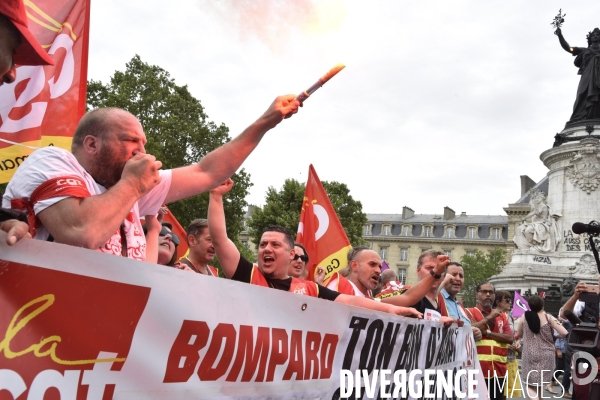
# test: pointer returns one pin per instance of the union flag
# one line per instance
(320, 230)
(44, 104)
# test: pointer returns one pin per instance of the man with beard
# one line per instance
(93, 198)
(365, 270)
(275, 251)
(17, 46)
(492, 350)
(201, 248)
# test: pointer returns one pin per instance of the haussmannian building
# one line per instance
(400, 238)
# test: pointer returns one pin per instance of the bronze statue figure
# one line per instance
(587, 59)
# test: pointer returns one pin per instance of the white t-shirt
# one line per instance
(53, 162)
(333, 286)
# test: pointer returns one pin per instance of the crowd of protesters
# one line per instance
(94, 196)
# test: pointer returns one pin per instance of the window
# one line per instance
(472, 232)
(449, 231)
(496, 232)
(403, 254)
(427, 231)
(386, 230)
(383, 253)
(471, 253)
(406, 230)
(402, 275)
(448, 253)
(367, 230)
(245, 243)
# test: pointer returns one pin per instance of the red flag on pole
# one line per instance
(44, 104)
(320, 230)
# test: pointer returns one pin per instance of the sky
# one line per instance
(441, 103)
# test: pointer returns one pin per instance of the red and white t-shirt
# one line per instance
(53, 162)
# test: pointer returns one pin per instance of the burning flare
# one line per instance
(330, 74)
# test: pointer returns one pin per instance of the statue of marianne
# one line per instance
(587, 59)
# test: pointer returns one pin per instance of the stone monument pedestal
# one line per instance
(542, 260)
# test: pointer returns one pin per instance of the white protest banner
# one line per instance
(78, 324)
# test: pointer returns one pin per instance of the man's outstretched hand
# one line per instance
(282, 107)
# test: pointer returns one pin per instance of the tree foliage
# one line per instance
(177, 131)
(283, 208)
(479, 268)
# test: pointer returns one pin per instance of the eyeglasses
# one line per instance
(174, 238)
(509, 301)
(304, 258)
(490, 292)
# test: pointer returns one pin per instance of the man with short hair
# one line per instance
(492, 350)
(389, 275)
(365, 269)
(17, 46)
(275, 251)
(201, 249)
(429, 274)
(93, 198)
(447, 300)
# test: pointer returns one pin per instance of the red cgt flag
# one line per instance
(320, 230)
(44, 104)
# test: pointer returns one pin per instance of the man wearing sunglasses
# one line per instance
(201, 248)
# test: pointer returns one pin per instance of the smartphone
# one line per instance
(592, 289)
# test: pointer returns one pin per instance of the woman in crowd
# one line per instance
(161, 242)
(503, 302)
(536, 328)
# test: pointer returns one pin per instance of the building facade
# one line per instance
(401, 238)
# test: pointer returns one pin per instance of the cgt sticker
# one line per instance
(57, 327)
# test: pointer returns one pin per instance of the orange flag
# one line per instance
(320, 230)
(44, 104)
(182, 249)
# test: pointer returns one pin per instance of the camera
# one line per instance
(585, 334)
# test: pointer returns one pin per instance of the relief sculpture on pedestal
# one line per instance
(541, 235)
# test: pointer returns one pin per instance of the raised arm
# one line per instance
(222, 162)
(562, 41)
(227, 253)
(89, 222)
(418, 291)
(153, 228)
(570, 304)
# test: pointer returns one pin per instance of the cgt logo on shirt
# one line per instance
(70, 182)
(64, 331)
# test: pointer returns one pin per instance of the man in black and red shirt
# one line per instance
(275, 251)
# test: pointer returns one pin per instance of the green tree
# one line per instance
(177, 130)
(478, 268)
(283, 208)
